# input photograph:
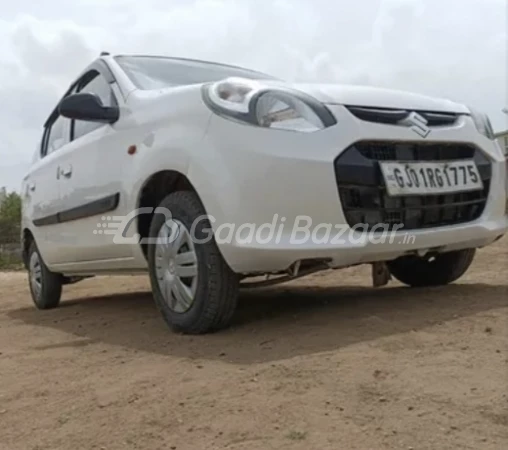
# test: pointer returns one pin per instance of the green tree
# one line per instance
(10, 208)
(10, 218)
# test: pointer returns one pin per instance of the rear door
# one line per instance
(41, 196)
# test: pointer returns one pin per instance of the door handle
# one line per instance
(67, 172)
(30, 187)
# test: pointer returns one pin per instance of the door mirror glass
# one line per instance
(87, 107)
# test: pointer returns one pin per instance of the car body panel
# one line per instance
(162, 141)
(40, 203)
(381, 98)
(291, 174)
(243, 174)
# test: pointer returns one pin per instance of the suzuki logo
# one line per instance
(418, 124)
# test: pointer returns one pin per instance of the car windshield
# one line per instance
(154, 72)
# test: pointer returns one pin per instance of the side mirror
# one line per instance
(88, 107)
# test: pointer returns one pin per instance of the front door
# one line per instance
(92, 188)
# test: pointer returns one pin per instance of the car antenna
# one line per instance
(105, 53)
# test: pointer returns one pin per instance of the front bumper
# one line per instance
(274, 181)
(365, 200)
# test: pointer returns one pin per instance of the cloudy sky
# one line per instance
(449, 48)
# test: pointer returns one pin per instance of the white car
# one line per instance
(252, 176)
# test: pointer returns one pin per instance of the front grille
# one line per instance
(365, 199)
(394, 116)
(404, 151)
(372, 206)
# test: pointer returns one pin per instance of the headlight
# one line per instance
(482, 123)
(251, 102)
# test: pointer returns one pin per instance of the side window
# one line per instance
(56, 136)
(98, 86)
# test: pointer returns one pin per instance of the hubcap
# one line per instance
(176, 265)
(35, 275)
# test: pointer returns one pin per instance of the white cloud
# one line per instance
(430, 46)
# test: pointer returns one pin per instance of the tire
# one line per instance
(443, 269)
(196, 293)
(45, 286)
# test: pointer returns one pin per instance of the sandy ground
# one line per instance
(324, 363)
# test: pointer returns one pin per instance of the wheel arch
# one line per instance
(153, 190)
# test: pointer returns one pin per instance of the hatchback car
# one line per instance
(209, 176)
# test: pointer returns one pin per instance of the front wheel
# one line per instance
(45, 286)
(193, 287)
(438, 270)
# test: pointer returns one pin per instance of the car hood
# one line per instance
(366, 96)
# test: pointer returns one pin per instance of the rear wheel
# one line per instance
(193, 287)
(45, 286)
(439, 270)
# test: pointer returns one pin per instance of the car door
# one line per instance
(41, 190)
(93, 167)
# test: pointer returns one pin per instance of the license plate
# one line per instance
(424, 178)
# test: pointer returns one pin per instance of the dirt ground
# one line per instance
(324, 363)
